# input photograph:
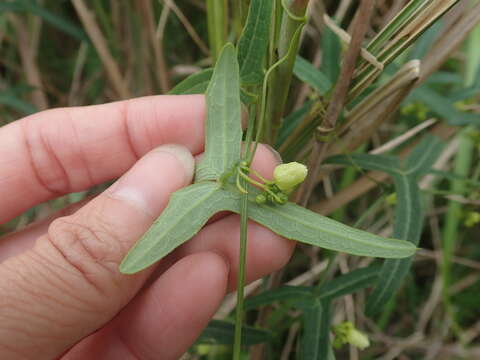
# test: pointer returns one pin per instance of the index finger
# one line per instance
(66, 150)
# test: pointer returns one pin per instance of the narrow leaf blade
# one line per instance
(188, 210)
(297, 223)
(385, 163)
(222, 333)
(253, 44)
(284, 293)
(408, 226)
(349, 283)
(194, 84)
(312, 76)
(223, 125)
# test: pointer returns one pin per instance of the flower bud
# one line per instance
(287, 176)
(358, 339)
(260, 199)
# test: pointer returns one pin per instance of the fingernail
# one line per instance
(183, 155)
(275, 153)
(149, 183)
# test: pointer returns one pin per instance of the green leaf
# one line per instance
(253, 43)
(340, 286)
(316, 330)
(49, 17)
(291, 122)
(423, 156)
(297, 223)
(385, 163)
(331, 53)
(223, 126)
(408, 226)
(198, 83)
(187, 211)
(311, 75)
(408, 220)
(349, 283)
(222, 333)
(284, 293)
(444, 107)
(16, 103)
(194, 84)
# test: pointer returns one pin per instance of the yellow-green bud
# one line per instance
(472, 219)
(287, 176)
(346, 333)
(358, 339)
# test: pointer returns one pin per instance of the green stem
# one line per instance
(288, 44)
(217, 19)
(237, 348)
(249, 153)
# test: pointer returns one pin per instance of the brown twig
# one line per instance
(101, 46)
(160, 71)
(360, 27)
(27, 56)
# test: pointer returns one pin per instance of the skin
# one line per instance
(62, 295)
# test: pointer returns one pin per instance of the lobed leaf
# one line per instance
(187, 211)
(253, 43)
(223, 126)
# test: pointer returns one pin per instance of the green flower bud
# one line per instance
(346, 333)
(472, 219)
(287, 176)
(358, 339)
(260, 199)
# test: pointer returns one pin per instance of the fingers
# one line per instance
(66, 150)
(163, 321)
(69, 285)
(266, 251)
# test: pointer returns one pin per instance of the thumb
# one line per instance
(69, 284)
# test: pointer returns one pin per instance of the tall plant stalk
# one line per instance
(293, 19)
(217, 20)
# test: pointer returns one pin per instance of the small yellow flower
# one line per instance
(287, 176)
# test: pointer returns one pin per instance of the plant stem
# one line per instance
(217, 18)
(288, 43)
(241, 275)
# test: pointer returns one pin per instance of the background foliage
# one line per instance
(402, 161)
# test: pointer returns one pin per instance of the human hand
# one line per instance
(61, 293)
